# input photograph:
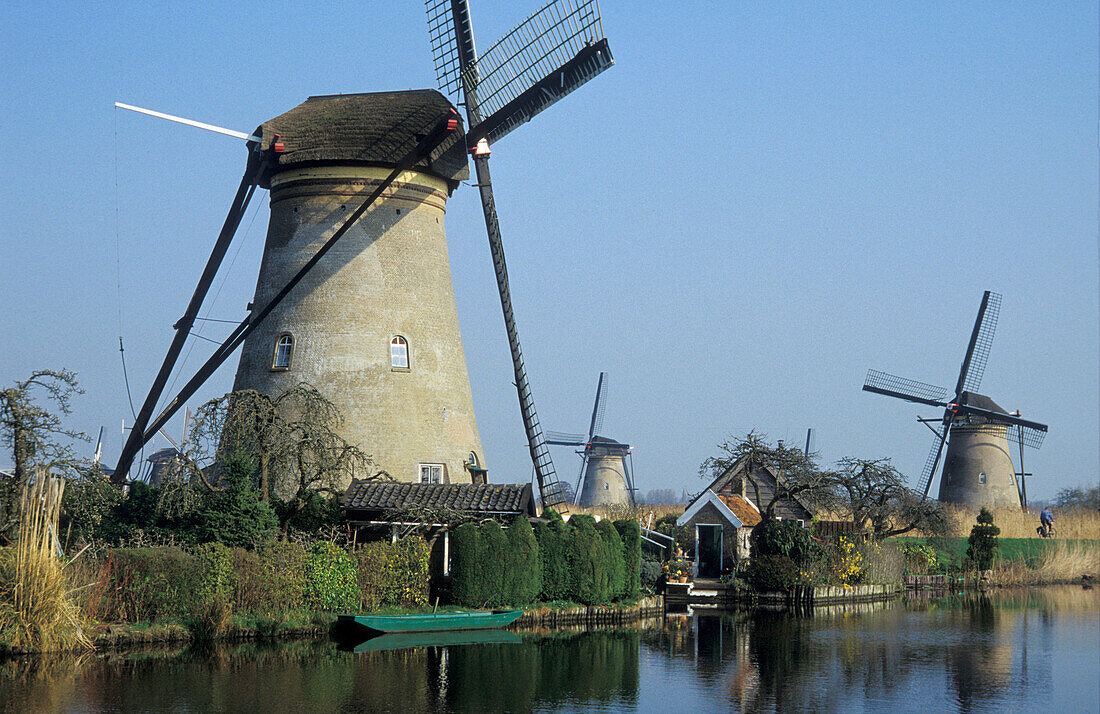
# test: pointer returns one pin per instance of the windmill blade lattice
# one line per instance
(908, 389)
(1026, 435)
(933, 460)
(981, 340)
(596, 425)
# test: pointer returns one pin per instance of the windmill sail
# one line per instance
(981, 340)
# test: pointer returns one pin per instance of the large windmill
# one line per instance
(549, 55)
(977, 470)
(605, 478)
(354, 292)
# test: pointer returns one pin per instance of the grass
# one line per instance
(1069, 523)
(37, 611)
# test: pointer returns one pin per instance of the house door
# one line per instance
(708, 554)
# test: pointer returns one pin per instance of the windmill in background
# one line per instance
(978, 468)
(605, 478)
(546, 57)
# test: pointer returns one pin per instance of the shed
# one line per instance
(717, 530)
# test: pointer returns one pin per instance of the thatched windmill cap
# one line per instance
(376, 128)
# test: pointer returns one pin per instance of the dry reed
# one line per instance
(1065, 562)
(1070, 523)
(37, 612)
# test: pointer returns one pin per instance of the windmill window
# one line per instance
(981, 477)
(399, 353)
(472, 459)
(284, 349)
(431, 473)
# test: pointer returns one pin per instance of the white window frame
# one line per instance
(437, 473)
(276, 364)
(399, 341)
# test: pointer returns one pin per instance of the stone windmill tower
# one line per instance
(977, 470)
(605, 478)
(354, 294)
(374, 326)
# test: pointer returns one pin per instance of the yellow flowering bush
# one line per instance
(846, 563)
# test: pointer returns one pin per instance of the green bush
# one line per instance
(612, 556)
(496, 563)
(983, 541)
(523, 580)
(768, 573)
(393, 573)
(235, 515)
(213, 604)
(285, 569)
(331, 578)
(650, 574)
(785, 538)
(553, 547)
(631, 536)
(587, 561)
(143, 585)
(466, 561)
(683, 535)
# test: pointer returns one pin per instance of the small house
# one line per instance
(725, 512)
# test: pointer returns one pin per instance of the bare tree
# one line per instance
(292, 438)
(874, 495)
(35, 434)
(798, 476)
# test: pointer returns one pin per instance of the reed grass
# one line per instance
(1064, 562)
(1069, 523)
(37, 611)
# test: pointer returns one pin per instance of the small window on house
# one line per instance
(284, 348)
(431, 473)
(981, 477)
(399, 353)
(801, 523)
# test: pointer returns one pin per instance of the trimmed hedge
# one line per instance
(582, 561)
(276, 581)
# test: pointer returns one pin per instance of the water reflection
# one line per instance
(1015, 650)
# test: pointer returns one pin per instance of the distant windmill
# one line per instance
(605, 478)
(978, 469)
(549, 55)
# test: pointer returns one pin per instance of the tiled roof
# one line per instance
(479, 498)
(741, 508)
(376, 128)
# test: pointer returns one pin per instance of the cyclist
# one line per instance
(1046, 523)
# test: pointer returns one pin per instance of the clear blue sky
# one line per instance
(757, 203)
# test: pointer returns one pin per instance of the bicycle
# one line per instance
(1045, 530)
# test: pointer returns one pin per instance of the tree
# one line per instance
(799, 475)
(292, 439)
(35, 434)
(874, 495)
(1078, 497)
(983, 540)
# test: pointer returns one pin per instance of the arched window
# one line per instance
(399, 353)
(284, 348)
(472, 460)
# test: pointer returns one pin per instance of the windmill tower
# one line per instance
(374, 327)
(978, 468)
(605, 477)
(354, 292)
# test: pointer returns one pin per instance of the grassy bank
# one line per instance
(1021, 561)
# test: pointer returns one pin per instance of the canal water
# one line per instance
(1024, 651)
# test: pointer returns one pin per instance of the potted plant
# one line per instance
(677, 571)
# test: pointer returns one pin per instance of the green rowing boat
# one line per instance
(435, 622)
(451, 638)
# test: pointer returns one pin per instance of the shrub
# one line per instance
(772, 572)
(284, 566)
(495, 564)
(683, 535)
(212, 604)
(631, 535)
(524, 578)
(466, 582)
(983, 541)
(612, 556)
(235, 516)
(393, 573)
(920, 558)
(553, 549)
(786, 538)
(587, 563)
(846, 562)
(331, 578)
(649, 575)
(144, 585)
